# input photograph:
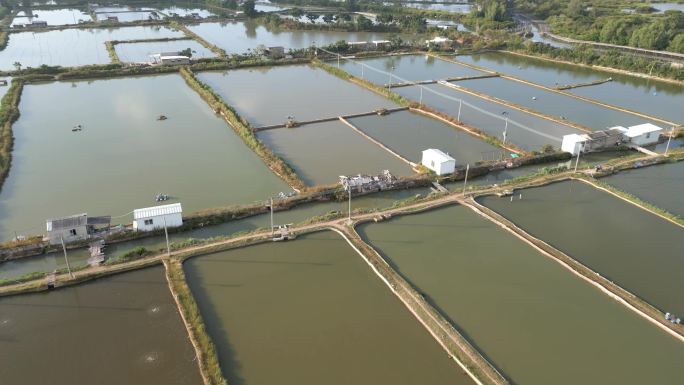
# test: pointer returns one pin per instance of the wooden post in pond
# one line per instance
(166, 233)
(66, 258)
(466, 179)
(272, 218)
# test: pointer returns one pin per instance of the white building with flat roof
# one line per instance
(438, 161)
(643, 134)
(158, 217)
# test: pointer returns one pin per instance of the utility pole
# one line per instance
(362, 77)
(578, 156)
(65, 257)
(350, 193)
(389, 85)
(166, 233)
(466, 179)
(667, 148)
(272, 218)
(421, 96)
(338, 61)
(460, 104)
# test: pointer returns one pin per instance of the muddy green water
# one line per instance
(532, 318)
(268, 95)
(659, 99)
(124, 155)
(634, 248)
(71, 47)
(321, 152)
(123, 329)
(660, 185)
(408, 134)
(408, 67)
(140, 52)
(240, 37)
(527, 131)
(312, 312)
(47, 263)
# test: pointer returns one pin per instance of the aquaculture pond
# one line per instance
(630, 246)
(52, 16)
(71, 47)
(534, 320)
(50, 262)
(141, 52)
(311, 312)
(409, 133)
(127, 16)
(123, 329)
(661, 186)
(185, 12)
(239, 37)
(554, 104)
(655, 98)
(525, 130)
(321, 152)
(271, 95)
(100, 147)
(407, 67)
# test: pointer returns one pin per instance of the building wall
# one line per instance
(54, 236)
(646, 139)
(172, 220)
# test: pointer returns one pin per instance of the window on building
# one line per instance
(148, 222)
(72, 232)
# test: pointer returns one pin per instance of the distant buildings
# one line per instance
(639, 135)
(158, 217)
(169, 58)
(369, 45)
(275, 52)
(438, 161)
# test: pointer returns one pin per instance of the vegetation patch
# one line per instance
(9, 113)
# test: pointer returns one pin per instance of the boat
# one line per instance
(161, 197)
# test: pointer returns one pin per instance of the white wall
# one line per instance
(646, 139)
(172, 220)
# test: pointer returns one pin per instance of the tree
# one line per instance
(363, 23)
(17, 65)
(186, 52)
(677, 44)
(351, 5)
(575, 9)
(297, 12)
(385, 18)
(249, 8)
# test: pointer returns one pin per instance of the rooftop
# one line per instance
(155, 211)
(69, 222)
(642, 129)
(438, 154)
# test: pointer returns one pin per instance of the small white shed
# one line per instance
(573, 143)
(438, 161)
(644, 134)
(153, 218)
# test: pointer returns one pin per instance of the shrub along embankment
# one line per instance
(212, 47)
(243, 129)
(9, 113)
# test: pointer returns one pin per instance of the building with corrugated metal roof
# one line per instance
(74, 228)
(158, 217)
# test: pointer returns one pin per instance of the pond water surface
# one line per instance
(123, 329)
